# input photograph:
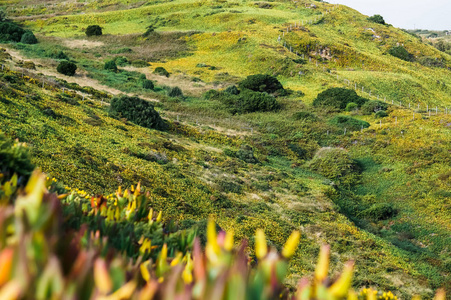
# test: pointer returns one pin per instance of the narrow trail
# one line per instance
(80, 79)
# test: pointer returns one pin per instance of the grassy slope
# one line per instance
(409, 252)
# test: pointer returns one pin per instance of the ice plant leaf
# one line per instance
(10, 291)
(261, 248)
(341, 287)
(291, 245)
(101, 277)
(322, 267)
(6, 260)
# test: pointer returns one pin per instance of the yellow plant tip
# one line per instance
(292, 244)
(323, 263)
(160, 216)
(101, 277)
(10, 291)
(212, 241)
(261, 248)
(440, 295)
(228, 242)
(145, 271)
(6, 260)
(371, 295)
(352, 295)
(149, 291)
(62, 196)
(132, 188)
(177, 259)
(340, 287)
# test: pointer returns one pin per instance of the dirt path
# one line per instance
(79, 78)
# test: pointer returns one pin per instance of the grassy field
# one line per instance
(194, 170)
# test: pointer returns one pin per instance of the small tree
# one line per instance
(67, 68)
(377, 19)
(338, 98)
(28, 38)
(401, 53)
(261, 83)
(110, 65)
(148, 84)
(161, 71)
(93, 30)
(175, 92)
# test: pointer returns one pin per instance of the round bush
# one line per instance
(67, 68)
(250, 101)
(261, 83)
(138, 111)
(371, 107)
(93, 30)
(232, 90)
(381, 114)
(338, 98)
(161, 71)
(28, 38)
(377, 19)
(110, 65)
(10, 32)
(333, 163)
(401, 53)
(351, 124)
(175, 92)
(351, 106)
(148, 84)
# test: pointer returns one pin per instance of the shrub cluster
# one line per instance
(262, 83)
(373, 106)
(67, 68)
(351, 124)
(377, 19)
(161, 71)
(93, 30)
(138, 111)
(338, 98)
(14, 159)
(10, 32)
(148, 84)
(110, 65)
(401, 53)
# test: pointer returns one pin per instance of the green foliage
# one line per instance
(381, 114)
(377, 19)
(14, 159)
(351, 106)
(93, 30)
(110, 66)
(138, 111)
(233, 90)
(262, 83)
(161, 71)
(67, 68)
(373, 106)
(148, 84)
(335, 163)
(306, 116)
(379, 211)
(249, 101)
(10, 32)
(401, 53)
(351, 124)
(28, 38)
(338, 98)
(175, 92)
(246, 153)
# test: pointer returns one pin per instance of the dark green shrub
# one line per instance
(175, 92)
(381, 114)
(148, 84)
(338, 98)
(250, 101)
(429, 61)
(161, 71)
(10, 32)
(211, 95)
(110, 65)
(305, 115)
(351, 106)
(138, 111)
(377, 19)
(121, 61)
(261, 83)
(371, 107)
(93, 30)
(334, 163)
(246, 153)
(232, 90)
(379, 211)
(14, 159)
(349, 123)
(67, 68)
(28, 38)
(60, 55)
(401, 53)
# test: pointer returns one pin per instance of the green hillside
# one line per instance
(375, 185)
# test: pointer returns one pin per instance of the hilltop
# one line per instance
(388, 207)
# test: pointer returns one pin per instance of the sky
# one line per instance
(406, 14)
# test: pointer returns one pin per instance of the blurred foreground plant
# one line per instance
(39, 259)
